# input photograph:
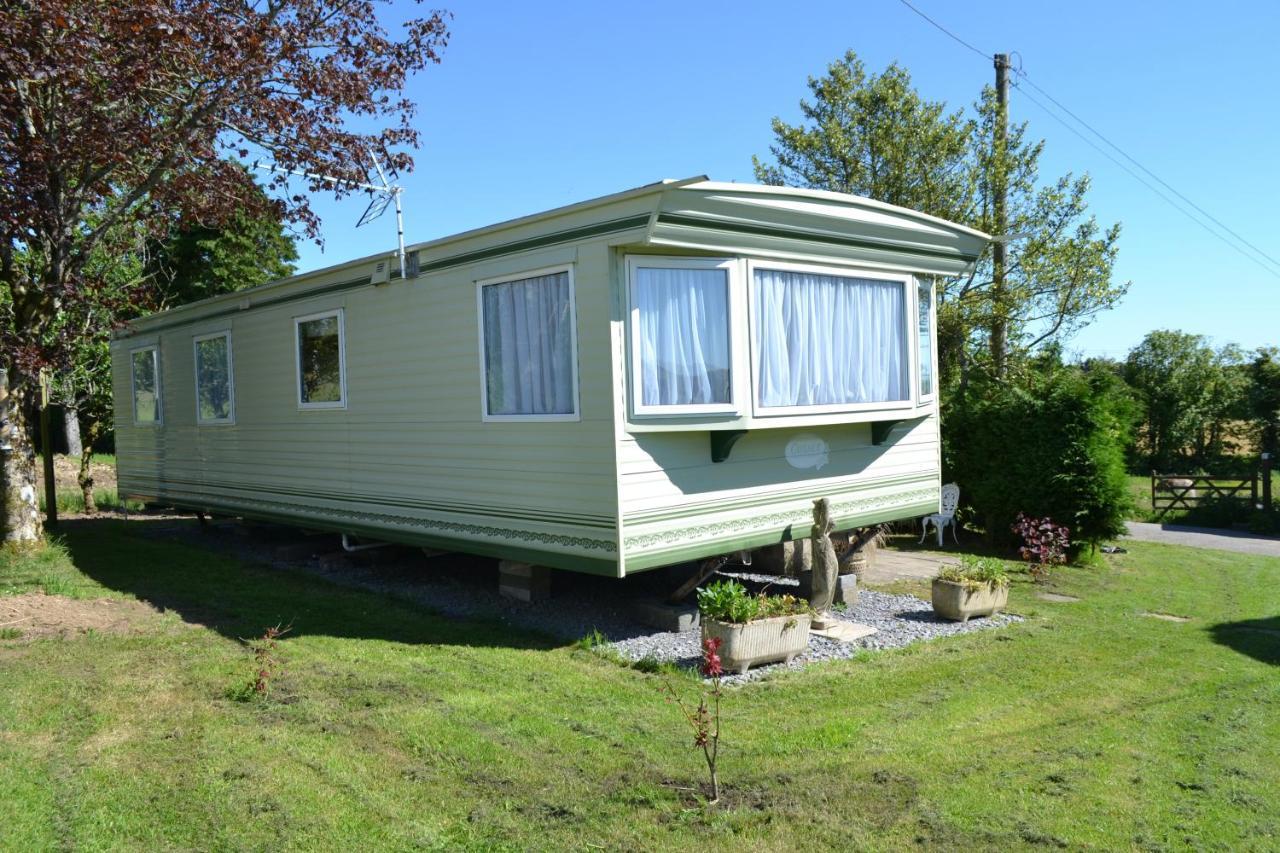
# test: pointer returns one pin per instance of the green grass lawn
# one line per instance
(1088, 725)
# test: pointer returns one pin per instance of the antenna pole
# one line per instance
(399, 228)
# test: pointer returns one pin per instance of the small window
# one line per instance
(146, 385)
(829, 341)
(528, 348)
(321, 350)
(925, 308)
(681, 332)
(215, 388)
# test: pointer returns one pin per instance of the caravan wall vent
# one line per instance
(381, 273)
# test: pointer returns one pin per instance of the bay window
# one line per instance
(829, 341)
(682, 330)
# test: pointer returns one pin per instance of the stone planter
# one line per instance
(778, 638)
(955, 601)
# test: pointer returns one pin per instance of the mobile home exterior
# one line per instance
(668, 373)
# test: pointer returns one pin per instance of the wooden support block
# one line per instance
(523, 581)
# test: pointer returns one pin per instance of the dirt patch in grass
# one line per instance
(66, 471)
(36, 615)
(1168, 617)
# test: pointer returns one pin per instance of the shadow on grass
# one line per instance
(1257, 638)
(240, 599)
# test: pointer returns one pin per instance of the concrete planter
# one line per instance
(778, 638)
(954, 601)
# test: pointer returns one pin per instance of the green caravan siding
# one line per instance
(679, 505)
(409, 458)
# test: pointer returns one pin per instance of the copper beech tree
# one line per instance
(129, 113)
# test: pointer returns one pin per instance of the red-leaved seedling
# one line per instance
(705, 719)
(1044, 543)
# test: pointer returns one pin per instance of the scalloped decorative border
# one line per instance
(731, 527)
(583, 543)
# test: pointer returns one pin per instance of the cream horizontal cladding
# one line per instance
(677, 504)
(410, 459)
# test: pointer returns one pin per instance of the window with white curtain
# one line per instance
(924, 306)
(829, 340)
(528, 347)
(681, 336)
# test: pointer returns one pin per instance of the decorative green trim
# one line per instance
(722, 441)
(686, 221)
(569, 236)
(701, 550)
(343, 518)
(801, 490)
(843, 511)
(501, 512)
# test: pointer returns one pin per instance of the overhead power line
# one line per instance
(1227, 234)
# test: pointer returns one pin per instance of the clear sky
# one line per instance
(542, 104)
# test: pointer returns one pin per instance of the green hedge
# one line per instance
(1051, 446)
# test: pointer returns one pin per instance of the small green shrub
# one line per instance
(10, 633)
(729, 601)
(57, 585)
(1264, 522)
(974, 572)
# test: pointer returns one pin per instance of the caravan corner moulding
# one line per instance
(661, 375)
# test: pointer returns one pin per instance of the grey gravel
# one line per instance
(899, 620)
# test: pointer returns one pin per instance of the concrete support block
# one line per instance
(523, 581)
(847, 590)
(786, 558)
(666, 617)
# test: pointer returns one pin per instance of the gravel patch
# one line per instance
(899, 620)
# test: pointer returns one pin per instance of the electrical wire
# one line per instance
(1271, 265)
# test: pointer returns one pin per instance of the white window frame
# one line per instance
(481, 284)
(737, 368)
(921, 397)
(154, 349)
(342, 360)
(907, 283)
(230, 419)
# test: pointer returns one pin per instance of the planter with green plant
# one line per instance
(979, 586)
(753, 629)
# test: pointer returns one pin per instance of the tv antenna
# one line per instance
(384, 196)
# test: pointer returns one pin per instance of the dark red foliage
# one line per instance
(1043, 542)
(711, 665)
(129, 113)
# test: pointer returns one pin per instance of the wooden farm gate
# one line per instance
(1185, 491)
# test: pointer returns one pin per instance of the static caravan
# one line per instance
(665, 374)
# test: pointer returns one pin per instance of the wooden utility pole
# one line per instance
(46, 452)
(999, 190)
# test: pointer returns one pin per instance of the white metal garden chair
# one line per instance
(940, 520)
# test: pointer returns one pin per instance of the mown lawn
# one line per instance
(1088, 725)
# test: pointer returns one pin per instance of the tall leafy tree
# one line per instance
(115, 113)
(1188, 393)
(874, 135)
(1263, 398)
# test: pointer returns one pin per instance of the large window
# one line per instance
(321, 351)
(528, 350)
(681, 335)
(828, 340)
(215, 391)
(924, 306)
(146, 385)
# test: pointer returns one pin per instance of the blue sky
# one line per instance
(538, 105)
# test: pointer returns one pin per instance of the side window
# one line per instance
(681, 335)
(528, 347)
(925, 327)
(146, 385)
(215, 383)
(321, 355)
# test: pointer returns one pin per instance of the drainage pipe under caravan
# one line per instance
(351, 549)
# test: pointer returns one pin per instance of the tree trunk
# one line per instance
(85, 477)
(71, 429)
(19, 508)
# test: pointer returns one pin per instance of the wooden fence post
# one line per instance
(1266, 482)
